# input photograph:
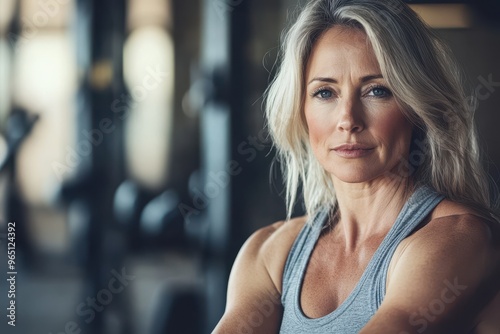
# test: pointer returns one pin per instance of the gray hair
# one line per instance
(425, 81)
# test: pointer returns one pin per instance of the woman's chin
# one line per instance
(351, 175)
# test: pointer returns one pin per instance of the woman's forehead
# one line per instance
(341, 51)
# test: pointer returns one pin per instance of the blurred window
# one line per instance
(44, 82)
(149, 77)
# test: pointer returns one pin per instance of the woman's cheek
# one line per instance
(316, 127)
(319, 121)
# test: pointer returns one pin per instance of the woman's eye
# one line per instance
(324, 94)
(379, 92)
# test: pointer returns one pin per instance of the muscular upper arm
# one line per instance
(443, 279)
(254, 294)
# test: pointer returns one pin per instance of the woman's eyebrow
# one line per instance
(332, 80)
(371, 77)
(323, 79)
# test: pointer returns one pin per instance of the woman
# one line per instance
(368, 114)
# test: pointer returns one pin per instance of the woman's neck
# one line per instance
(368, 209)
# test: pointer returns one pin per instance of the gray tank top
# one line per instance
(362, 303)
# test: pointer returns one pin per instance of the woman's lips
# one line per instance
(351, 151)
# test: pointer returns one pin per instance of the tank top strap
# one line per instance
(302, 246)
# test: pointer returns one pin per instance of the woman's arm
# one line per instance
(443, 279)
(253, 300)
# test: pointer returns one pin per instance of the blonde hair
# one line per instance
(425, 81)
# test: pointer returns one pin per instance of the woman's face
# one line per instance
(356, 129)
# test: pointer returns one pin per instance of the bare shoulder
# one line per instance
(276, 233)
(254, 286)
(275, 238)
(454, 223)
(454, 245)
(450, 229)
(274, 243)
(264, 254)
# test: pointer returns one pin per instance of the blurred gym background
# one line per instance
(133, 154)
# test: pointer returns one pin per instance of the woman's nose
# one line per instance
(350, 115)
